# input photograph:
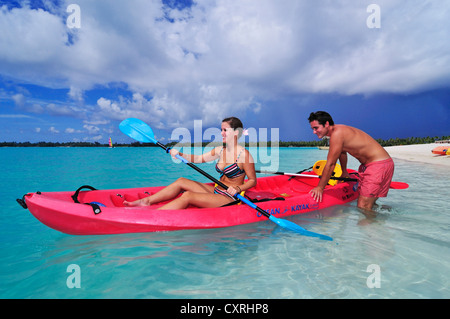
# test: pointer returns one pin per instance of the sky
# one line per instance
(73, 70)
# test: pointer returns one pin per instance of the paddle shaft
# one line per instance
(239, 196)
(393, 185)
(307, 175)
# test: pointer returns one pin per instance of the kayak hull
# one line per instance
(285, 197)
(441, 150)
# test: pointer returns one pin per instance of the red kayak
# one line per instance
(440, 150)
(100, 212)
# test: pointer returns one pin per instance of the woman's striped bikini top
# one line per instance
(232, 170)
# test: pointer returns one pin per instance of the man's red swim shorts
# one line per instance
(375, 178)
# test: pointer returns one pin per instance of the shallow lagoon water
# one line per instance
(408, 242)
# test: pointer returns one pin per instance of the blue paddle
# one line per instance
(140, 131)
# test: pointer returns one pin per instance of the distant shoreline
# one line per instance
(384, 143)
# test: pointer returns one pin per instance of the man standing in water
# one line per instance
(377, 167)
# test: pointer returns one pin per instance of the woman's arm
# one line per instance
(198, 159)
(249, 168)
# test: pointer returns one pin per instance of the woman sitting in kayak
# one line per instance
(234, 162)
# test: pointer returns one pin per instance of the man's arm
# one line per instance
(334, 153)
(343, 160)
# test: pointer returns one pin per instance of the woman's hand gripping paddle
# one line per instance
(140, 131)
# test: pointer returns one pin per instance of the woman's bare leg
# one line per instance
(203, 200)
(172, 191)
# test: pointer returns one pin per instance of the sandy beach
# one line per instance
(419, 153)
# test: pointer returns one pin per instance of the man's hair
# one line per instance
(321, 117)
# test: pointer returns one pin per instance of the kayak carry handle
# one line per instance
(75, 195)
(22, 202)
(95, 205)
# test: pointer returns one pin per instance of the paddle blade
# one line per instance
(296, 228)
(137, 130)
(399, 185)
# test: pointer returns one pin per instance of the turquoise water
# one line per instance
(403, 253)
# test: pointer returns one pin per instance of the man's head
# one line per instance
(320, 122)
(321, 117)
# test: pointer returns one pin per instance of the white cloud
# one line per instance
(52, 129)
(59, 109)
(98, 122)
(91, 129)
(76, 94)
(14, 116)
(70, 130)
(93, 138)
(34, 108)
(19, 99)
(222, 57)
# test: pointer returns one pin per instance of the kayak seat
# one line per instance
(144, 195)
(117, 200)
(131, 198)
(259, 195)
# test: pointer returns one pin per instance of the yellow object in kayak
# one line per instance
(319, 167)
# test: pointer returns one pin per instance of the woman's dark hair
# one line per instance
(321, 117)
(235, 124)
